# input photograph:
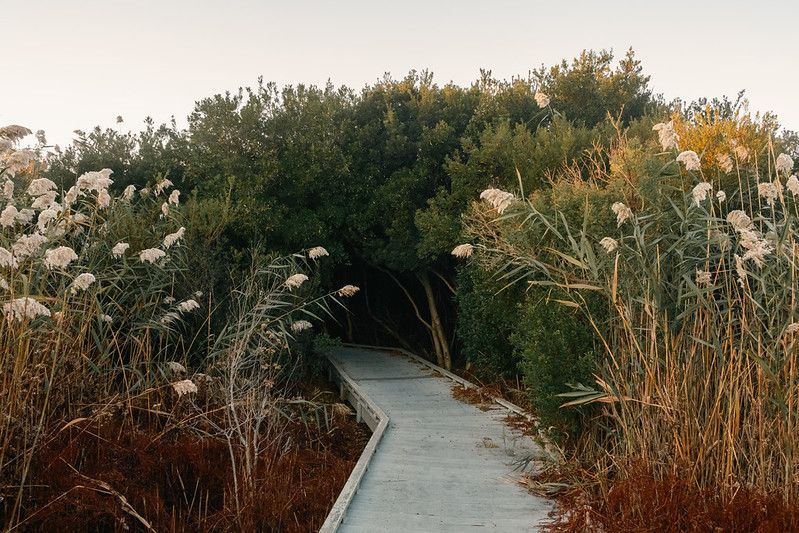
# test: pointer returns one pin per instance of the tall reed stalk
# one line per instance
(700, 374)
(99, 318)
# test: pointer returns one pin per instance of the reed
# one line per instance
(102, 327)
(700, 329)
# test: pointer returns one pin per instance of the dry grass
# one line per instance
(480, 397)
(639, 502)
(177, 481)
(94, 433)
(700, 384)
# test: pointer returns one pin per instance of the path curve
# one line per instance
(441, 465)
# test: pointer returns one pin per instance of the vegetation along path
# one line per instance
(442, 465)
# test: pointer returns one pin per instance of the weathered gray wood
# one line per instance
(442, 465)
(377, 420)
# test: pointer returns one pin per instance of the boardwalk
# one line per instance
(442, 465)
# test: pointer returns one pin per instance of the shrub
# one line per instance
(556, 348)
(486, 317)
(508, 332)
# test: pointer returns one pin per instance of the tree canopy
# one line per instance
(380, 177)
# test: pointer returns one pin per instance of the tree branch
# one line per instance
(445, 280)
(410, 299)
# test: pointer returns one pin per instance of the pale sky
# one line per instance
(74, 64)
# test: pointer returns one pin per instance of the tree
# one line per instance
(589, 89)
(135, 158)
(405, 130)
(379, 177)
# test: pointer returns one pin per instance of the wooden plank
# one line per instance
(342, 504)
(553, 453)
(442, 465)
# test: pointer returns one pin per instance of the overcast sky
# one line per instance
(75, 64)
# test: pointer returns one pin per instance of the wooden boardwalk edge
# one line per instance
(555, 454)
(377, 420)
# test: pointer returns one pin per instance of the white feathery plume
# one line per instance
(690, 159)
(40, 186)
(9, 216)
(499, 199)
(127, 194)
(666, 135)
(172, 238)
(22, 308)
(347, 291)
(784, 163)
(188, 306)
(301, 325)
(623, 213)
(151, 255)
(59, 257)
(463, 251)
(119, 249)
(82, 282)
(541, 99)
(295, 280)
(183, 387)
(7, 259)
(725, 162)
(161, 185)
(316, 252)
(700, 192)
(609, 244)
(768, 191)
(27, 245)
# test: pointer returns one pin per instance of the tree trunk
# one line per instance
(365, 289)
(434, 336)
(349, 325)
(437, 328)
(437, 348)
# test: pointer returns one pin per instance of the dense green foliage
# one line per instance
(381, 179)
(556, 349)
(486, 320)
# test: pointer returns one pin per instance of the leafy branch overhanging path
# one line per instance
(441, 464)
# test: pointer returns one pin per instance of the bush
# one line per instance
(486, 318)
(508, 332)
(100, 314)
(556, 348)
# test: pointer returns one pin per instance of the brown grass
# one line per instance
(110, 476)
(480, 397)
(639, 502)
(524, 424)
(512, 390)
